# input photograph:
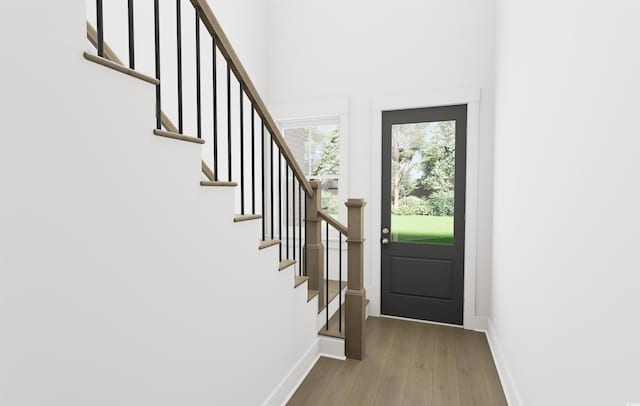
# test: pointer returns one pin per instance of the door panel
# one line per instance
(422, 277)
(423, 186)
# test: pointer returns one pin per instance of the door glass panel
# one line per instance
(422, 182)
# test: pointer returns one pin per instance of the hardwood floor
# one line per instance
(408, 363)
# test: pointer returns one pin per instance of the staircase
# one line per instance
(245, 161)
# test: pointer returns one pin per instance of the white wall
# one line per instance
(364, 49)
(565, 278)
(122, 281)
(245, 23)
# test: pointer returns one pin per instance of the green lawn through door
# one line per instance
(425, 229)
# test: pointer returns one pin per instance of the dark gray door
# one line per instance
(422, 236)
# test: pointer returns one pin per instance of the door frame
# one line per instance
(435, 98)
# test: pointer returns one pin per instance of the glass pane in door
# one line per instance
(422, 182)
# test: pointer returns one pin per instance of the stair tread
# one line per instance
(311, 294)
(333, 330)
(286, 263)
(300, 280)
(217, 183)
(119, 68)
(268, 243)
(178, 136)
(246, 217)
(333, 292)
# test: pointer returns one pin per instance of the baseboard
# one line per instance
(508, 384)
(322, 347)
(476, 323)
(331, 347)
(288, 386)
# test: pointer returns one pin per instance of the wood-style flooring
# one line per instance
(408, 363)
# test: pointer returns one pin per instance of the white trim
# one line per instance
(305, 122)
(321, 347)
(288, 386)
(504, 372)
(309, 109)
(319, 110)
(477, 323)
(434, 98)
(331, 347)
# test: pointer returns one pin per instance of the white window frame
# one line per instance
(321, 112)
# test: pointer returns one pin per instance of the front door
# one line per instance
(423, 188)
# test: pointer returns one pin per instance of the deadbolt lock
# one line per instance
(385, 231)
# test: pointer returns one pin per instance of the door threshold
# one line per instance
(422, 321)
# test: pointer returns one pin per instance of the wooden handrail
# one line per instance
(334, 223)
(215, 29)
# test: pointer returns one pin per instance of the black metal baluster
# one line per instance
(198, 79)
(179, 59)
(229, 118)
(215, 108)
(264, 180)
(156, 24)
(253, 159)
(271, 184)
(286, 205)
(99, 28)
(300, 226)
(132, 56)
(241, 149)
(326, 248)
(340, 282)
(280, 200)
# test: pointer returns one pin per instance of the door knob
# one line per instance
(385, 241)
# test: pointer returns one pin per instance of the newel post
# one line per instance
(313, 244)
(356, 297)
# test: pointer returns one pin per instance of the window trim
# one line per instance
(319, 112)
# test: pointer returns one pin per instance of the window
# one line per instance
(316, 146)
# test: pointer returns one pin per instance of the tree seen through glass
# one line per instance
(317, 149)
(422, 182)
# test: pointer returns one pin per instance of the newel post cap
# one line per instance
(355, 203)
